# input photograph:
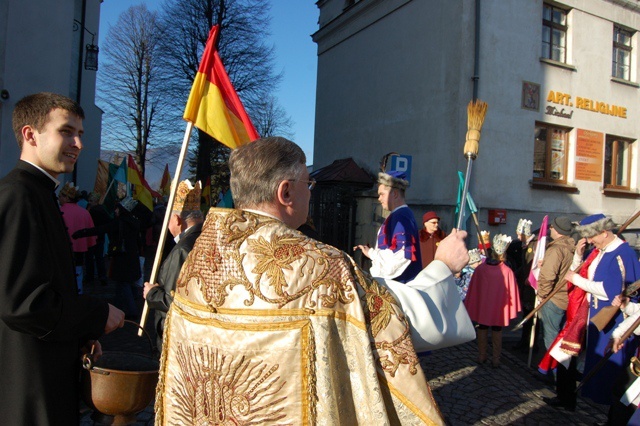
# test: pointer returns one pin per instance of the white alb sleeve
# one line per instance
(387, 263)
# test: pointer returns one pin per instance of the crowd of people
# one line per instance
(303, 332)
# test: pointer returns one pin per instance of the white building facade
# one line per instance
(560, 80)
(42, 48)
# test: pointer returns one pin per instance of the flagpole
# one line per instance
(106, 192)
(165, 222)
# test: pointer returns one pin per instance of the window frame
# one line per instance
(557, 26)
(548, 157)
(621, 46)
(614, 140)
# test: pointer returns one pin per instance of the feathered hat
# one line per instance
(70, 191)
(524, 227)
(394, 179)
(187, 196)
(500, 243)
(592, 225)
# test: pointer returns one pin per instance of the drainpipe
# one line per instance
(74, 175)
(476, 52)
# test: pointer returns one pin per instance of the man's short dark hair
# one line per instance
(33, 110)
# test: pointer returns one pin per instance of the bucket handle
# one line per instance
(87, 362)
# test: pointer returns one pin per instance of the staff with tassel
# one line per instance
(476, 111)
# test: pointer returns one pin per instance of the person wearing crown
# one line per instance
(76, 218)
(397, 253)
(520, 257)
(492, 299)
(463, 278)
(185, 224)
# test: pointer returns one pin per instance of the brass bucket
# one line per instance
(119, 384)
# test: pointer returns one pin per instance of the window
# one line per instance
(554, 33)
(617, 163)
(550, 153)
(621, 53)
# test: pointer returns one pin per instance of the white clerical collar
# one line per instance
(179, 236)
(56, 181)
(260, 212)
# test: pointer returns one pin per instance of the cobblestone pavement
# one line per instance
(472, 394)
(467, 393)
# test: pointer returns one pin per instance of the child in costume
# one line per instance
(493, 299)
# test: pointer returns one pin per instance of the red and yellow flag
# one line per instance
(141, 190)
(165, 183)
(213, 105)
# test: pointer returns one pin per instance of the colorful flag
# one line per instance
(539, 254)
(165, 183)
(121, 174)
(141, 190)
(102, 178)
(213, 105)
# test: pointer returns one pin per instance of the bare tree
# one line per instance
(135, 107)
(247, 59)
(270, 118)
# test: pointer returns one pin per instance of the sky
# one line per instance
(293, 22)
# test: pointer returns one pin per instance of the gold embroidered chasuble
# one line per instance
(269, 326)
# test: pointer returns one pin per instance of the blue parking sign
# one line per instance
(401, 163)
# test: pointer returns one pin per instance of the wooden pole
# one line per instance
(165, 222)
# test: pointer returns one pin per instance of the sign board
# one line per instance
(401, 163)
(589, 154)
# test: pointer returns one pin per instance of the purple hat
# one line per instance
(592, 219)
(592, 225)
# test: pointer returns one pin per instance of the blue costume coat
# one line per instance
(617, 269)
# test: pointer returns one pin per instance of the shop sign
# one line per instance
(562, 105)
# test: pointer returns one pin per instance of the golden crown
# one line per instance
(524, 227)
(187, 196)
(500, 243)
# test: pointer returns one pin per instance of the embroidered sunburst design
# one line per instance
(217, 389)
(274, 256)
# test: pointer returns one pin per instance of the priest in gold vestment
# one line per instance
(271, 327)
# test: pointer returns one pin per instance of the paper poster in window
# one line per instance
(589, 154)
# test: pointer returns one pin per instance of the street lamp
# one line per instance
(91, 50)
